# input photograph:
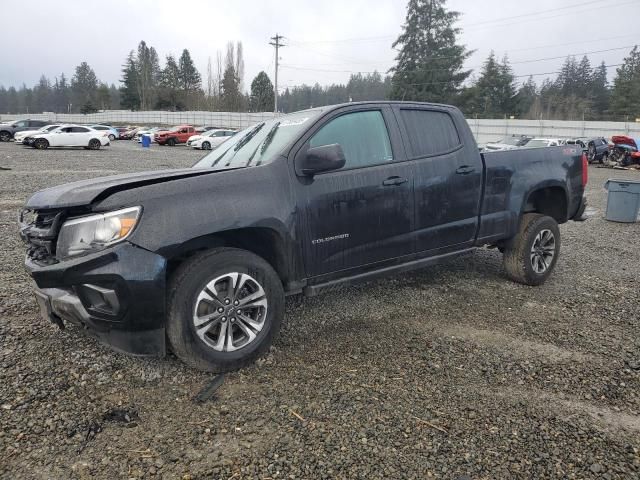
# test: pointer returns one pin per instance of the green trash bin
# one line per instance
(623, 202)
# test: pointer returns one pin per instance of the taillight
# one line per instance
(585, 170)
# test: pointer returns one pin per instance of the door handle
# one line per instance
(392, 181)
(465, 170)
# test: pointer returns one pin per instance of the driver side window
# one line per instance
(363, 137)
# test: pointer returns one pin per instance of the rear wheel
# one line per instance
(94, 144)
(171, 142)
(206, 146)
(112, 137)
(5, 136)
(224, 309)
(41, 143)
(534, 251)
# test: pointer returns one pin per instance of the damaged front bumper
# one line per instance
(118, 295)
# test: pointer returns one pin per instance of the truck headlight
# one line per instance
(95, 232)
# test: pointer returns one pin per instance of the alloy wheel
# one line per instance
(542, 251)
(230, 312)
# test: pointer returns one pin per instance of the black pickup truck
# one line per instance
(199, 260)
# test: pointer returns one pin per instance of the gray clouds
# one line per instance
(59, 35)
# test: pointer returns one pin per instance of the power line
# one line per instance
(294, 67)
(446, 82)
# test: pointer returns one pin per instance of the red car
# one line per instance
(176, 135)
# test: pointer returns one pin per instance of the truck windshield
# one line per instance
(258, 144)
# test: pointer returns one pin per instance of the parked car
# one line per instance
(201, 258)
(176, 135)
(203, 129)
(26, 135)
(130, 133)
(72, 136)
(121, 131)
(597, 149)
(8, 130)
(210, 139)
(543, 142)
(151, 132)
(507, 143)
(112, 133)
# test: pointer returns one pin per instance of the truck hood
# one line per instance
(85, 192)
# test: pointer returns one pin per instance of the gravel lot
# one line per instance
(451, 372)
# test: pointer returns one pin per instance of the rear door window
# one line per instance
(363, 137)
(430, 132)
(79, 130)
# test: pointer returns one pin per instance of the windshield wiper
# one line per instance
(247, 138)
(264, 144)
(241, 143)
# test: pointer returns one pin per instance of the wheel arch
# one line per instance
(265, 242)
(548, 199)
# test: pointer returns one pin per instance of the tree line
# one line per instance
(429, 67)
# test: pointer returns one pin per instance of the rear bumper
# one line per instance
(117, 295)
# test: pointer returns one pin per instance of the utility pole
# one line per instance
(276, 43)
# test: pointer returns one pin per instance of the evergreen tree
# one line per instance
(625, 95)
(103, 96)
(84, 85)
(129, 96)
(429, 62)
(61, 95)
(43, 96)
(147, 74)
(169, 95)
(526, 99)
(190, 80)
(262, 97)
(231, 97)
(494, 91)
(600, 90)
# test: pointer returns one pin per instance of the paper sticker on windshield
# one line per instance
(291, 123)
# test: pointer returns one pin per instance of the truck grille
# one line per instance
(39, 231)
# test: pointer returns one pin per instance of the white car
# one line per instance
(151, 132)
(543, 142)
(210, 139)
(71, 136)
(21, 136)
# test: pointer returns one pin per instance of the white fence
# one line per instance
(484, 130)
(125, 117)
(490, 130)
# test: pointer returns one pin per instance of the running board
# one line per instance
(313, 290)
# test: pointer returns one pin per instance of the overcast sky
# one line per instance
(326, 39)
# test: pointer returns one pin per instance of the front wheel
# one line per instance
(206, 146)
(171, 142)
(41, 144)
(534, 251)
(224, 309)
(112, 137)
(5, 136)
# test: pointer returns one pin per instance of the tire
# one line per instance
(526, 260)
(171, 142)
(206, 146)
(41, 144)
(604, 158)
(112, 137)
(94, 144)
(185, 302)
(592, 153)
(5, 136)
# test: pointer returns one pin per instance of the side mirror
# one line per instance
(321, 159)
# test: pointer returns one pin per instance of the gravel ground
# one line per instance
(452, 372)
